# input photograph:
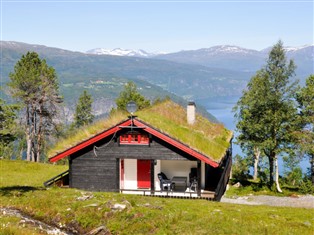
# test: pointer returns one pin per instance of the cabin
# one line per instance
(165, 150)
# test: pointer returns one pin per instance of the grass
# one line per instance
(144, 215)
(251, 187)
(204, 136)
(208, 138)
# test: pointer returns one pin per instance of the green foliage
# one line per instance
(305, 137)
(306, 187)
(267, 112)
(240, 168)
(8, 131)
(35, 85)
(83, 113)
(130, 93)
(293, 175)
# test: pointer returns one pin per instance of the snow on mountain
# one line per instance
(121, 52)
(289, 49)
(228, 49)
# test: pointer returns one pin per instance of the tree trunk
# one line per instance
(312, 167)
(277, 175)
(34, 123)
(39, 140)
(271, 171)
(28, 135)
(257, 154)
(28, 145)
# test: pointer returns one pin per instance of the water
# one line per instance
(222, 110)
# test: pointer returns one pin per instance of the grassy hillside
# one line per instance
(143, 215)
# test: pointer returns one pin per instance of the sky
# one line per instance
(157, 26)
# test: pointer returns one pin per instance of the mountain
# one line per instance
(225, 57)
(186, 80)
(121, 52)
(241, 59)
(199, 75)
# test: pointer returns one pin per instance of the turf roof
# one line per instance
(168, 117)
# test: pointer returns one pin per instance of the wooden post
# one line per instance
(117, 175)
(199, 177)
(152, 176)
(70, 171)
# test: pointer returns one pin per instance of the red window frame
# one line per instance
(134, 138)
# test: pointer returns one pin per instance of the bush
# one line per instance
(306, 187)
(240, 168)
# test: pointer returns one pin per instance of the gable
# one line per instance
(167, 120)
(129, 124)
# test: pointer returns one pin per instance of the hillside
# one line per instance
(74, 68)
(24, 203)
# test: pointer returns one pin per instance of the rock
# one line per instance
(294, 195)
(85, 197)
(92, 205)
(237, 185)
(102, 230)
(119, 207)
(127, 203)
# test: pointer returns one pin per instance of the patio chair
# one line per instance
(165, 183)
(193, 179)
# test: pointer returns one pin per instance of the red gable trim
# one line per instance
(176, 144)
(138, 123)
(90, 141)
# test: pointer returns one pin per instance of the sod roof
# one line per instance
(210, 139)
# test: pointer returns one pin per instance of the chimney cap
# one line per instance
(191, 103)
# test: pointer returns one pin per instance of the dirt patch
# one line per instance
(306, 201)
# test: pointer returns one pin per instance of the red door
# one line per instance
(143, 173)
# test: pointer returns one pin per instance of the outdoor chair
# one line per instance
(193, 179)
(165, 183)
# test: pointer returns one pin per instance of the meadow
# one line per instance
(79, 212)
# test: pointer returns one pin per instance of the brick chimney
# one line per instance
(191, 112)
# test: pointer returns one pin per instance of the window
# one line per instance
(134, 138)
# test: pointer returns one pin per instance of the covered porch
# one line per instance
(167, 178)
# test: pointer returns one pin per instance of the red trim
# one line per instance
(135, 139)
(147, 128)
(88, 142)
(176, 144)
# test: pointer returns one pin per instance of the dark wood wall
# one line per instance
(97, 169)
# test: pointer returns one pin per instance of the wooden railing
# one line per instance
(221, 187)
(165, 193)
(56, 178)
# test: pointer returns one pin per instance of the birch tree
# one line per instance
(267, 111)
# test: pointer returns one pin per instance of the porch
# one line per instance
(181, 178)
(205, 195)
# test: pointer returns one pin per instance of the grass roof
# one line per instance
(208, 138)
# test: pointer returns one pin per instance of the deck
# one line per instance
(207, 195)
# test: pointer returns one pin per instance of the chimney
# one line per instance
(191, 113)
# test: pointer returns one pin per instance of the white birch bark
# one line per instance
(277, 175)
(257, 154)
